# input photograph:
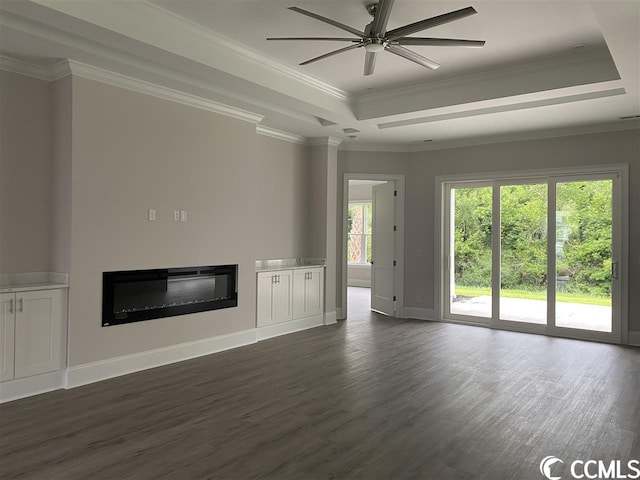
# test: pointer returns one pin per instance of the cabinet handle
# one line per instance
(20, 308)
(11, 306)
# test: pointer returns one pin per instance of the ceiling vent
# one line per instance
(325, 123)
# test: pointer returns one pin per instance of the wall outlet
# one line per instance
(176, 215)
(183, 216)
(152, 214)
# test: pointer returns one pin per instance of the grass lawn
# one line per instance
(532, 295)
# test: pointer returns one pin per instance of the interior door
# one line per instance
(382, 249)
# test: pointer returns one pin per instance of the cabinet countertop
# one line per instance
(26, 287)
(281, 264)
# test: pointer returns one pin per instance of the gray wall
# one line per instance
(422, 168)
(81, 164)
(245, 196)
(25, 174)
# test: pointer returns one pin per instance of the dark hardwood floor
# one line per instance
(370, 398)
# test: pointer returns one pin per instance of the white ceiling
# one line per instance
(548, 67)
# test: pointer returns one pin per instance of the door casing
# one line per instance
(399, 182)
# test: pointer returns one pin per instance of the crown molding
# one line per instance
(379, 147)
(522, 105)
(622, 125)
(250, 54)
(25, 68)
(324, 141)
(91, 72)
(280, 135)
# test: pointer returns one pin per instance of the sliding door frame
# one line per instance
(444, 184)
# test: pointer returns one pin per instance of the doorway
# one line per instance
(539, 254)
(373, 241)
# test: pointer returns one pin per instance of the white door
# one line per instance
(282, 289)
(382, 249)
(7, 323)
(314, 293)
(265, 299)
(38, 341)
(299, 293)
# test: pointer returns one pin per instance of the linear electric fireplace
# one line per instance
(135, 295)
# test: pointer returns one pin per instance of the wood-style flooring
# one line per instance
(370, 398)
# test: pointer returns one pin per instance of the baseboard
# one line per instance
(29, 386)
(339, 314)
(419, 313)
(634, 337)
(278, 329)
(358, 283)
(114, 367)
(330, 318)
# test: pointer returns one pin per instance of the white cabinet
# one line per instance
(274, 297)
(285, 295)
(308, 292)
(31, 333)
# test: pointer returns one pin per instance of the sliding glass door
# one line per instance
(471, 252)
(523, 252)
(585, 265)
(535, 254)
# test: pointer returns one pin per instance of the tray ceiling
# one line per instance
(548, 67)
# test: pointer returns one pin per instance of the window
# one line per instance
(359, 240)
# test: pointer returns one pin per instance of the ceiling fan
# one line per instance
(376, 39)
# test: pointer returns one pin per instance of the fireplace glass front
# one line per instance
(135, 295)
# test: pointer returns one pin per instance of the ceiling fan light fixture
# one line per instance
(374, 47)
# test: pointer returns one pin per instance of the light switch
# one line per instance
(176, 215)
(183, 215)
(152, 214)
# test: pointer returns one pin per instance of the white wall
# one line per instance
(25, 174)
(422, 168)
(245, 196)
(82, 162)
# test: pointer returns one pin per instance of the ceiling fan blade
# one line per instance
(414, 57)
(440, 42)
(379, 24)
(369, 63)
(342, 26)
(400, 32)
(335, 52)
(326, 39)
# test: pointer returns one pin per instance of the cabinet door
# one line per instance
(7, 325)
(282, 296)
(38, 332)
(265, 295)
(314, 298)
(299, 293)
